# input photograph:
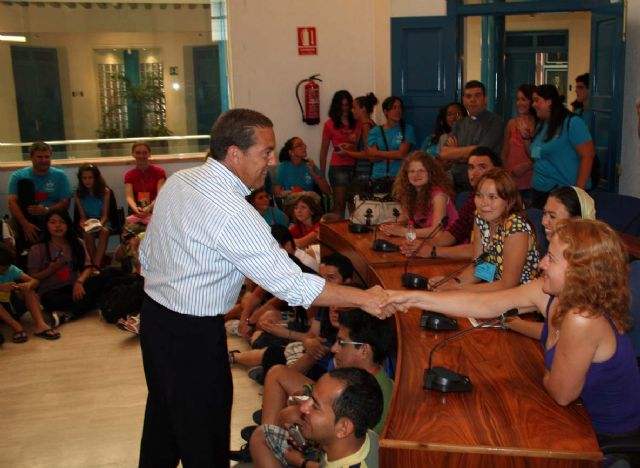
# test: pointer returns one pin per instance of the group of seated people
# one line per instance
(295, 354)
(62, 257)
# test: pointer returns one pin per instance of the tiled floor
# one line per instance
(79, 401)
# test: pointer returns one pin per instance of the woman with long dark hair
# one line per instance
(62, 265)
(340, 131)
(92, 199)
(562, 149)
(447, 116)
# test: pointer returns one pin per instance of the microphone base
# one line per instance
(414, 281)
(438, 322)
(359, 228)
(440, 379)
(381, 245)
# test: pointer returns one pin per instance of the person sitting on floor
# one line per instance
(62, 265)
(14, 281)
(361, 342)
(305, 216)
(261, 201)
(92, 199)
(307, 350)
(128, 255)
(33, 191)
(142, 184)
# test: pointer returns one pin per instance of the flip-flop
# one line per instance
(48, 334)
(20, 337)
(132, 325)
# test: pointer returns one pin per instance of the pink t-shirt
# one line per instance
(425, 220)
(299, 230)
(516, 156)
(145, 182)
(343, 135)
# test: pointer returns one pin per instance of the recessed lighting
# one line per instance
(8, 38)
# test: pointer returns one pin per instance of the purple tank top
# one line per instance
(611, 392)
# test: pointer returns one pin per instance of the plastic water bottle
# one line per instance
(411, 232)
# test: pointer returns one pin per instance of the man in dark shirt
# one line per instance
(459, 233)
(479, 128)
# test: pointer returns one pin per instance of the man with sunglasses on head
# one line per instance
(362, 343)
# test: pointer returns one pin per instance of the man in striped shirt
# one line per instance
(203, 240)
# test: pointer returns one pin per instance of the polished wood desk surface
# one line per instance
(508, 419)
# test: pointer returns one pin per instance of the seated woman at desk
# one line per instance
(502, 232)
(584, 297)
(562, 203)
(425, 195)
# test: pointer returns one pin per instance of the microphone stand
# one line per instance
(414, 280)
(481, 258)
(445, 380)
(382, 245)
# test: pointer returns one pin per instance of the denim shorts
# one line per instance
(340, 176)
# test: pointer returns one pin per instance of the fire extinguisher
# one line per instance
(311, 110)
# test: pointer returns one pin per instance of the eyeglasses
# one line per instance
(342, 342)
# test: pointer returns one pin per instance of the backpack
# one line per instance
(121, 295)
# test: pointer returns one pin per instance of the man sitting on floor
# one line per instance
(361, 343)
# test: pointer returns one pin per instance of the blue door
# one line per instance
(607, 90)
(423, 58)
(38, 98)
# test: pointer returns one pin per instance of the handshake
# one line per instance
(383, 303)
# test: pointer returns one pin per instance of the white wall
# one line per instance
(630, 139)
(266, 65)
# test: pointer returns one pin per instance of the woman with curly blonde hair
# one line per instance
(584, 297)
(425, 195)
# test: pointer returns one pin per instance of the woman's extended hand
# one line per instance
(393, 229)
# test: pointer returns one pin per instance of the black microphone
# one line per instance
(382, 245)
(481, 258)
(361, 228)
(441, 379)
(414, 280)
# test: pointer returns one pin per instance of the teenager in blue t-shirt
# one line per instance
(562, 150)
(390, 143)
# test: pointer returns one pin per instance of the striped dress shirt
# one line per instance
(204, 238)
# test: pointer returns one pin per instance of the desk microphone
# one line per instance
(414, 280)
(476, 261)
(382, 245)
(361, 228)
(441, 379)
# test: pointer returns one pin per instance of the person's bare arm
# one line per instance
(586, 152)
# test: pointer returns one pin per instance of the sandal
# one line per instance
(20, 337)
(132, 325)
(48, 334)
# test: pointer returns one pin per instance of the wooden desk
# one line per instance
(335, 236)
(508, 419)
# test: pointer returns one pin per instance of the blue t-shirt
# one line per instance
(92, 206)
(289, 176)
(275, 216)
(9, 276)
(49, 188)
(394, 139)
(556, 162)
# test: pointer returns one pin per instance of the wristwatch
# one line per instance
(434, 254)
